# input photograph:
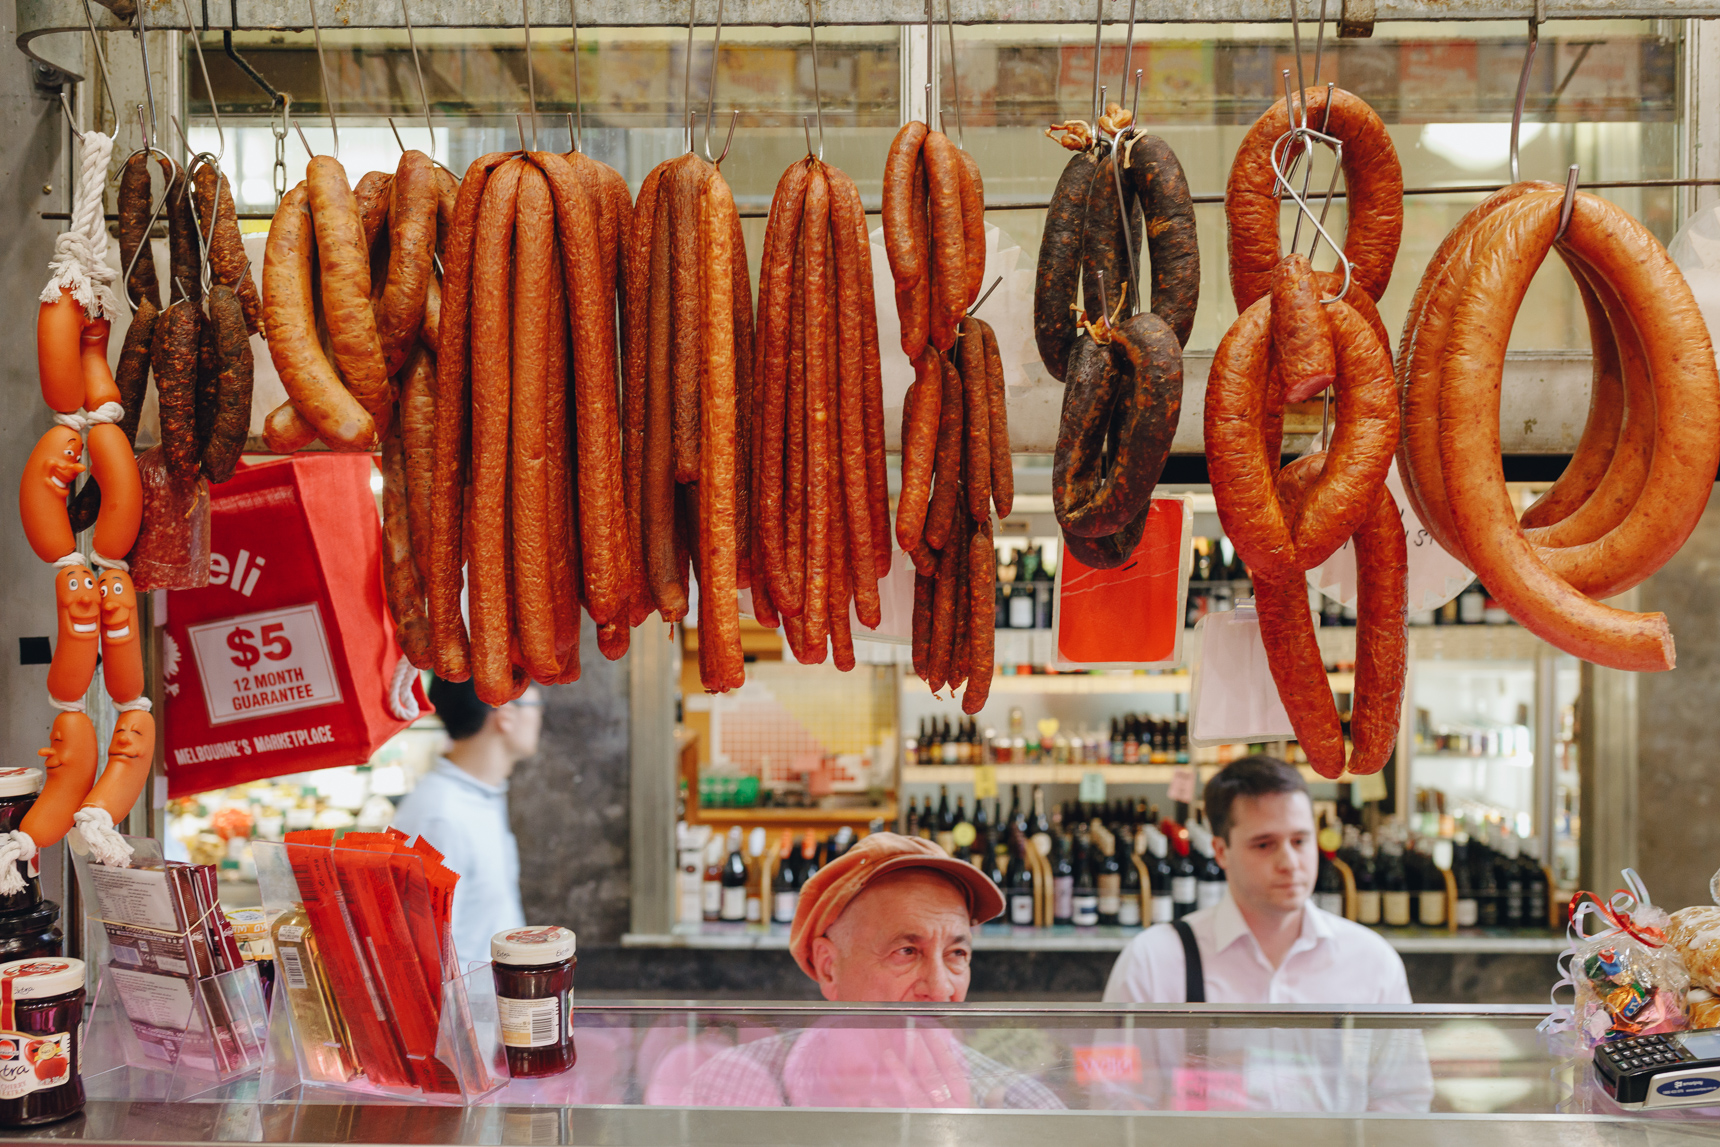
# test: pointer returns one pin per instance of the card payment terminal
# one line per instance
(1676, 1069)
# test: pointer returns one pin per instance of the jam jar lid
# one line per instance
(41, 977)
(21, 782)
(533, 947)
(248, 923)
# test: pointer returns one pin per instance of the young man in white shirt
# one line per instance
(1265, 942)
(461, 808)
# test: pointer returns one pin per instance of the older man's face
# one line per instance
(906, 937)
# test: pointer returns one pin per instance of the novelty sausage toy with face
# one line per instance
(42, 493)
(130, 753)
(78, 642)
(122, 651)
(71, 760)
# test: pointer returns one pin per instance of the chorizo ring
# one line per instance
(1172, 247)
(1054, 327)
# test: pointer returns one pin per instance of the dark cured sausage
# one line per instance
(1104, 262)
(1058, 275)
(448, 540)
(1373, 181)
(1151, 168)
(1146, 363)
(235, 374)
(174, 359)
(228, 264)
(133, 204)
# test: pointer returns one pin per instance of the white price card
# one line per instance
(260, 664)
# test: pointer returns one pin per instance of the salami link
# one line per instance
(1002, 464)
(1173, 249)
(535, 278)
(717, 511)
(1054, 328)
(232, 414)
(399, 572)
(982, 613)
(174, 358)
(133, 204)
(411, 247)
(949, 252)
(851, 264)
(976, 398)
(1301, 336)
(946, 493)
(657, 503)
(418, 439)
(228, 265)
(820, 476)
(636, 306)
(973, 226)
(921, 425)
(771, 352)
(344, 263)
(685, 274)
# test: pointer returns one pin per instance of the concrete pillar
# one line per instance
(1678, 765)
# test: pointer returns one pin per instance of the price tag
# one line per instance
(264, 663)
(1182, 785)
(984, 782)
(1092, 787)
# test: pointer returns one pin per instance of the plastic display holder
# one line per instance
(160, 1036)
(469, 1061)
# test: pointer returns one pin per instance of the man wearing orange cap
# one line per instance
(891, 920)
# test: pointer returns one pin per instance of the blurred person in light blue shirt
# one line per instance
(460, 807)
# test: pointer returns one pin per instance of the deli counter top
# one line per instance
(758, 1074)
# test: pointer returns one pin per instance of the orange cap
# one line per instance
(833, 887)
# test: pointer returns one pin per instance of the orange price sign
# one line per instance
(1130, 617)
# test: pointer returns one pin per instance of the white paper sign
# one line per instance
(1232, 698)
(1435, 577)
(264, 663)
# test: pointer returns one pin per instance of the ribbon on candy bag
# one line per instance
(1626, 979)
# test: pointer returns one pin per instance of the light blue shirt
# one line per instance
(467, 821)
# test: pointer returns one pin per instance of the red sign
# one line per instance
(1130, 616)
(283, 662)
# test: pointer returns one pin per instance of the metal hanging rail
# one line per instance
(38, 18)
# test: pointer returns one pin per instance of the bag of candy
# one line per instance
(1628, 979)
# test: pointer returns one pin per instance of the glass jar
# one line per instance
(31, 934)
(533, 968)
(41, 1010)
(18, 791)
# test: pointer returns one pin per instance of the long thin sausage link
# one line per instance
(815, 228)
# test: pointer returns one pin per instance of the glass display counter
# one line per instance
(834, 1073)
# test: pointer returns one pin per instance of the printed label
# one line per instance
(785, 904)
(260, 664)
(1164, 910)
(1129, 912)
(1183, 890)
(292, 967)
(1118, 1063)
(1021, 908)
(530, 1023)
(33, 1062)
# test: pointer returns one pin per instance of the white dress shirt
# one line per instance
(1273, 1065)
(467, 822)
(1333, 961)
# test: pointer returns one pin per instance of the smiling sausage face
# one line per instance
(133, 740)
(122, 656)
(47, 481)
(80, 617)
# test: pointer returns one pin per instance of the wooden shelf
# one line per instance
(1065, 774)
(792, 817)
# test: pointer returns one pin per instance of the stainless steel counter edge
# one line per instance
(167, 1124)
(1106, 942)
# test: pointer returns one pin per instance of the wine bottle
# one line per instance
(1329, 887)
(1209, 877)
(711, 887)
(1394, 886)
(1085, 902)
(1159, 874)
(1109, 881)
(1534, 887)
(1489, 911)
(734, 905)
(1510, 878)
(755, 876)
(1020, 883)
(1129, 907)
(1040, 827)
(946, 821)
(1185, 883)
(1062, 883)
(1468, 907)
(1367, 887)
(1430, 905)
(785, 889)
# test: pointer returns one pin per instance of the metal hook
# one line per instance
(148, 88)
(1286, 188)
(1523, 93)
(1301, 88)
(1135, 107)
(309, 150)
(125, 279)
(687, 77)
(711, 88)
(734, 117)
(328, 91)
(531, 79)
(423, 92)
(101, 62)
(1569, 204)
(214, 109)
(66, 107)
(397, 139)
(980, 302)
(1128, 57)
(817, 91)
(576, 136)
(1098, 41)
(955, 75)
(244, 65)
(1128, 248)
(203, 243)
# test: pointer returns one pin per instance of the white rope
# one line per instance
(15, 848)
(80, 253)
(67, 706)
(401, 702)
(75, 420)
(72, 559)
(108, 412)
(135, 705)
(106, 845)
(107, 563)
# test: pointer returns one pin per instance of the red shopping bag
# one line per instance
(284, 662)
(1130, 617)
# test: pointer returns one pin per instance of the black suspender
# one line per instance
(1195, 990)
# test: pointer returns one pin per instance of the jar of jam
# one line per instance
(41, 1014)
(533, 968)
(18, 791)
